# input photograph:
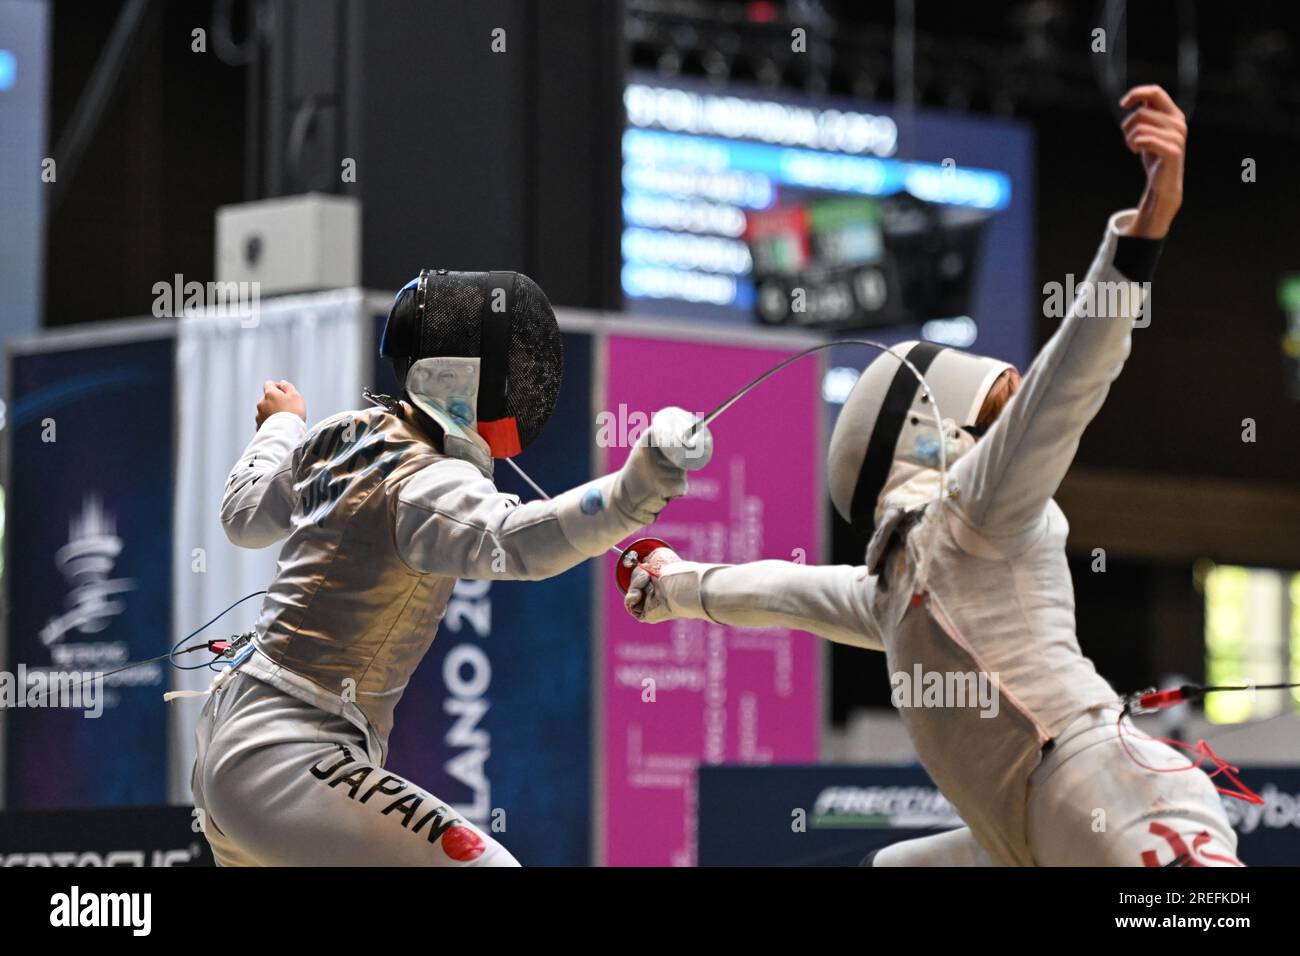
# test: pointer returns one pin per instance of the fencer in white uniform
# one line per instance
(380, 511)
(973, 589)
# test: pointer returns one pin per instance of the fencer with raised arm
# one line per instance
(975, 588)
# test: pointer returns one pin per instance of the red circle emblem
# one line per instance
(463, 844)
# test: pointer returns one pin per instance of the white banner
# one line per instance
(321, 343)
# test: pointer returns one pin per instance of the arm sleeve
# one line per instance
(1006, 480)
(452, 521)
(833, 602)
(259, 499)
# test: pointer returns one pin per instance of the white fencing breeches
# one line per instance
(1091, 803)
(1099, 800)
(282, 783)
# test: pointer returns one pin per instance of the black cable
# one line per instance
(176, 648)
(133, 664)
(1212, 688)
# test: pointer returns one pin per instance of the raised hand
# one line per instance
(1157, 131)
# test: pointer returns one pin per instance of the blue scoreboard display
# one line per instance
(761, 207)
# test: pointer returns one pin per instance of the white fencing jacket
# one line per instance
(997, 600)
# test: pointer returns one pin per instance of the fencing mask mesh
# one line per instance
(501, 319)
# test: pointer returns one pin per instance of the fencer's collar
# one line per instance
(911, 485)
(473, 449)
(465, 444)
(445, 389)
(909, 490)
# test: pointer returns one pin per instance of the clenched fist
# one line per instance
(280, 397)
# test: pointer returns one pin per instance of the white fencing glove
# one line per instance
(650, 595)
(655, 471)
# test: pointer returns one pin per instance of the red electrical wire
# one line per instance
(1204, 752)
(1152, 700)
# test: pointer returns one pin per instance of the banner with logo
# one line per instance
(138, 836)
(836, 815)
(1268, 834)
(497, 719)
(88, 562)
(681, 694)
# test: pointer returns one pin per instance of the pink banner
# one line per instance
(682, 693)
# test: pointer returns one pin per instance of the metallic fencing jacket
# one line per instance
(378, 523)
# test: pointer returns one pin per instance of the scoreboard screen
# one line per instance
(776, 209)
